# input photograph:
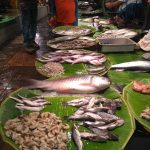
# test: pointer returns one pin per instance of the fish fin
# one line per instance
(65, 103)
(66, 118)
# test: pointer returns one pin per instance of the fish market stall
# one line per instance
(73, 94)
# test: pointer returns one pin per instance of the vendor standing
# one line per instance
(63, 12)
(29, 10)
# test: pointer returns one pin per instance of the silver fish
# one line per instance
(30, 108)
(133, 65)
(96, 123)
(104, 134)
(108, 117)
(81, 117)
(82, 84)
(112, 125)
(77, 138)
(78, 102)
(97, 109)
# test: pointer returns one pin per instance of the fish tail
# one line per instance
(65, 103)
(33, 84)
(113, 136)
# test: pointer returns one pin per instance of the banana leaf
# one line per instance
(72, 69)
(125, 77)
(137, 102)
(8, 111)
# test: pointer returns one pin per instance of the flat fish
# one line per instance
(133, 66)
(81, 84)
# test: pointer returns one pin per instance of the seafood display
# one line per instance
(146, 114)
(72, 30)
(81, 42)
(143, 66)
(82, 84)
(52, 69)
(73, 57)
(141, 87)
(36, 130)
(98, 115)
(33, 104)
(118, 33)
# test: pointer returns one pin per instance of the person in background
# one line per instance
(28, 10)
(63, 12)
(127, 10)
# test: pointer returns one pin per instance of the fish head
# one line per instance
(101, 82)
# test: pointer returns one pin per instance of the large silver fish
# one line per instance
(133, 65)
(82, 84)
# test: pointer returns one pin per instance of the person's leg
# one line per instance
(33, 23)
(25, 16)
(33, 26)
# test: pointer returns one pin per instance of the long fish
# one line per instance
(133, 65)
(82, 84)
(77, 137)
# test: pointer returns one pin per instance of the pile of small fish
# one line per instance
(81, 84)
(74, 44)
(141, 87)
(72, 30)
(73, 57)
(98, 115)
(146, 114)
(141, 66)
(32, 104)
(52, 69)
(122, 33)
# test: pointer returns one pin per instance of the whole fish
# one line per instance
(77, 138)
(133, 65)
(112, 125)
(81, 117)
(104, 133)
(82, 84)
(78, 102)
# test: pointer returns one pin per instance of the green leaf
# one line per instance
(137, 102)
(8, 111)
